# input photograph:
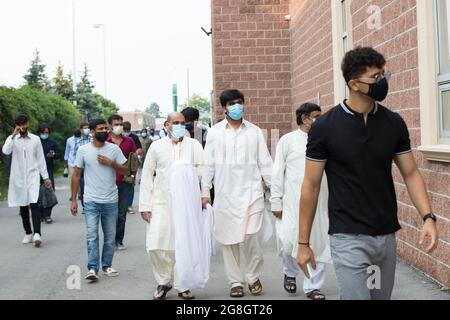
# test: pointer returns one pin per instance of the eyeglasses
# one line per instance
(380, 76)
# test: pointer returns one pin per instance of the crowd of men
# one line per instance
(346, 217)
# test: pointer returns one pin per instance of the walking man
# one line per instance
(356, 143)
(288, 173)
(155, 202)
(52, 152)
(100, 160)
(27, 167)
(85, 138)
(69, 154)
(125, 185)
(139, 151)
(237, 159)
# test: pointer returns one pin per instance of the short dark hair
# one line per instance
(305, 109)
(77, 133)
(230, 95)
(190, 114)
(127, 125)
(42, 126)
(83, 124)
(21, 120)
(356, 62)
(114, 117)
(94, 123)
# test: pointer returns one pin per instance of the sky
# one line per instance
(150, 44)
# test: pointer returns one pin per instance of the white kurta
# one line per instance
(237, 161)
(28, 164)
(287, 179)
(154, 192)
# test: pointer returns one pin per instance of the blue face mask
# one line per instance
(44, 136)
(236, 112)
(178, 131)
(189, 127)
(126, 134)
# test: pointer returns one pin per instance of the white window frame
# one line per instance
(342, 42)
(432, 146)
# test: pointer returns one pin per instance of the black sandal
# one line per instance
(316, 295)
(161, 289)
(290, 284)
(186, 295)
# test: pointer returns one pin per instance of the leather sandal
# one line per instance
(161, 292)
(186, 295)
(315, 295)
(290, 284)
(237, 292)
(256, 288)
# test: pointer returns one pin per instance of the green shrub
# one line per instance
(40, 106)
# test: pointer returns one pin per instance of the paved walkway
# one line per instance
(30, 273)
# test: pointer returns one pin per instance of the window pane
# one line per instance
(443, 9)
(445, 113)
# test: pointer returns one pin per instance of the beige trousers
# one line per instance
(253, 261)
(163, 267)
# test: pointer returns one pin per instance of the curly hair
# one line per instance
(356, 62)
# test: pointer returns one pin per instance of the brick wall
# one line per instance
(312, 53)
(251, 52)
(397, 40)
(280, 65)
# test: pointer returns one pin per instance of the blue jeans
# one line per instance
(106, 213)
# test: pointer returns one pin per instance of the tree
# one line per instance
(36, 76)
(203, 105)
(105, 107)
(85, 98)
(153, 110)
(63, 85)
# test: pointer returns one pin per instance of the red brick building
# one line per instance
(282, 53)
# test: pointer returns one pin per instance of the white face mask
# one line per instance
(86, 132)
(117, 130)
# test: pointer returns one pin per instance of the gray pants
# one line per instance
(364, 265)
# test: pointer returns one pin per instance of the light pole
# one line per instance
(98, 26)
(74, 66)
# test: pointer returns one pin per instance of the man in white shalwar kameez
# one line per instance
(27, 167)
(155, 203)
(287, 177)
(237, 160)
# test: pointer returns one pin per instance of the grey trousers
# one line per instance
(364, 265)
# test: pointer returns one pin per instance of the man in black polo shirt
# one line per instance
(355, 143)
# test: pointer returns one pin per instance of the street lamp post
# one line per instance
(98, 26)
(74, 66)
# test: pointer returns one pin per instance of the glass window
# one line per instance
(443, 50)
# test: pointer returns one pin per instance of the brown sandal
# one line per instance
(316, 295)
(237, 292)
(255, 288)
(186, 295)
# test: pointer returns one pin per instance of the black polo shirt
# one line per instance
(359, 167)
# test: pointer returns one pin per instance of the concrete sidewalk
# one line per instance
(30, 273)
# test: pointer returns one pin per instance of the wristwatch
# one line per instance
(429, 216)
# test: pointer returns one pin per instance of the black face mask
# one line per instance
(378, 91)
(101, 136)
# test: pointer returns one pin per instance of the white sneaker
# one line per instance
(92, 275)
(37, 240)
(27, 239)
(121, 247)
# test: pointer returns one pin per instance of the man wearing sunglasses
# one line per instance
(356, 143)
